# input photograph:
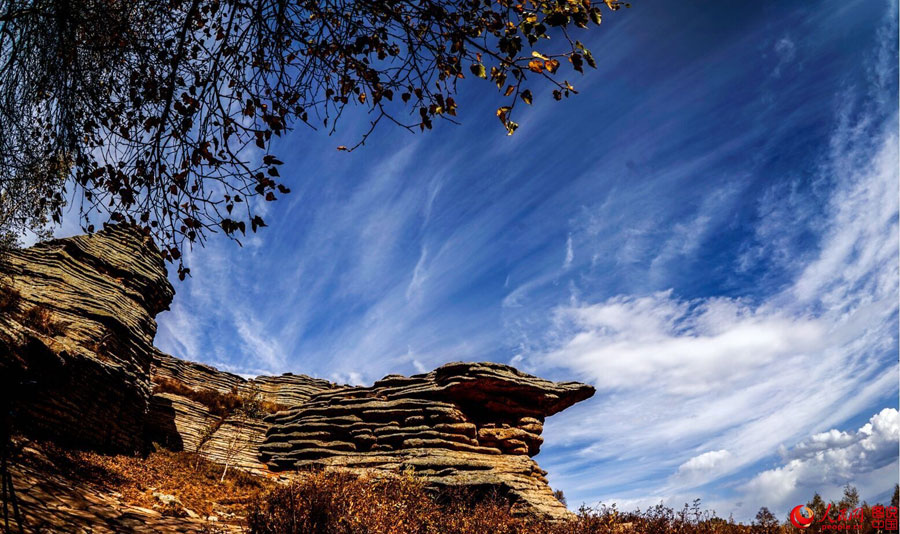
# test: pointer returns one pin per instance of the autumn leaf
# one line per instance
(577, 62)
(303, 64)
(502, 112)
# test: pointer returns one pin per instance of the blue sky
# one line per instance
(707, 233)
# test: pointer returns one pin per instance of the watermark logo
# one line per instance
(802, 516)
(883, 518)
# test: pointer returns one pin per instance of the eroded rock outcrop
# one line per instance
(463, 424)
(77, 331)
(182, 418)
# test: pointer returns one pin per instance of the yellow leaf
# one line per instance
(501, 113)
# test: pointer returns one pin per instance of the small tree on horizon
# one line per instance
(765, 522)
(850, 498)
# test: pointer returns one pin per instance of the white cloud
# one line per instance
(678, 346)
(699, 467)
(830, 460)
(262, 345)
(419, 275)
(695, 377)
(570, 253)
(785, 52)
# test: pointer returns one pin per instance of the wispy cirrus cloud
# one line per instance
(724, 381)
(712, 246)
(721, 375)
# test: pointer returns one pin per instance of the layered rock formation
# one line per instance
(76, 337)
(463, 424)
(76, 333)
(232, 436)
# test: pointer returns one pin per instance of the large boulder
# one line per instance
(464, 424)
(471, 425)
(76, 333)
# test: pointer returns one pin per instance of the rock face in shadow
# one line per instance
(76, 335)
(76, 347)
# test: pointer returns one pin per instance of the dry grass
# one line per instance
(340, 503)
(40, 319)
(335, 503)
(193, 480)
(272, 407)
(9, 298)
(219, 404)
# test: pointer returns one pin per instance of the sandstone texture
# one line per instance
(180, 422)
(92, 377)
(76, 334)
(463, 424)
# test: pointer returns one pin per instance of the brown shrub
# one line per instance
(40, 319)
(192, 479)
(272, 407)
(339, 503)
(219, 404)
(9, 298)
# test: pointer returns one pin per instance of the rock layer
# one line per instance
(76, 331)
(474, 425)
(181, 423)
(463, 424)
(76, 335)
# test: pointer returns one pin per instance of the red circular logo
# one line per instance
(802, 516)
